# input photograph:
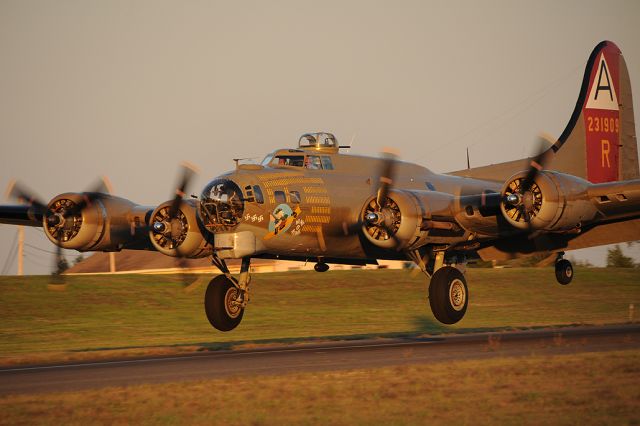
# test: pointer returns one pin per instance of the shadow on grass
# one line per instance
(425, 329)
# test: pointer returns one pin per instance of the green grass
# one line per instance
(579, 389)
(135, 313)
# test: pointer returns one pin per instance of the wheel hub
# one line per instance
(457, 295)
(233, 302)
(568, 271)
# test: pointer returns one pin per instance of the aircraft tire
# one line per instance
(564, 271)
(220, 313)
(448, 295)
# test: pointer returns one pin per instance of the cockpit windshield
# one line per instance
(266, 160)
(314, 162)
(289, 160)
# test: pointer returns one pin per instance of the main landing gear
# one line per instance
(564, 270)
(226, 297)
(448, 295)
(448, 291)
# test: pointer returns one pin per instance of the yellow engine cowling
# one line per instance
(400, 220)
(555, 202)
(412, 219)
(106, 224)
(180, 237)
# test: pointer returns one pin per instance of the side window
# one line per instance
(295, 197)
(279, 196)
(257, 192)
(326, 163)
(313, 162)
(249, 193)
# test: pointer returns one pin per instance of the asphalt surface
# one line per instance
(316, 357)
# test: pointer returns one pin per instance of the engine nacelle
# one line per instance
(396, 222)
(107, 223)
(181, 237)
(410, 219)
(555, 202)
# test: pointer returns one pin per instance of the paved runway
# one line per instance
(317, 357)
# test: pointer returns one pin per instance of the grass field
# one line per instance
(581, 389)
(98, 316)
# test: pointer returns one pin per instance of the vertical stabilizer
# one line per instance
(599, 142)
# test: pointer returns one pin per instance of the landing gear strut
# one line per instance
(226, 297)
(564, 271)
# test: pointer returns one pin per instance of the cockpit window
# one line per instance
(326, 163)
(313, 162)
(289, 160)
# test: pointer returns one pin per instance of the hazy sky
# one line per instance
(131, 88)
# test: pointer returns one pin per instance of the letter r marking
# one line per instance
(606, 148)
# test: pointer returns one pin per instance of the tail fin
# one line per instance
(599, 143)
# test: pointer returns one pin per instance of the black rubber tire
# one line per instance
(564, 271)
(321, 267)
(214, 304)
(439, 295)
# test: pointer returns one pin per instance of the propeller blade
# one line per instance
(538, 162)
(22, 194)
(59, 264)
(58, 220)
(387, 174)
(98, 191)
(188, 171)
(377, 217)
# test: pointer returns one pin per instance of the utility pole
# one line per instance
(112, 262)
(21, 250)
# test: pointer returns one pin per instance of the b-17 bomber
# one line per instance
(317, 203)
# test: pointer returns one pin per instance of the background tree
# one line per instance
(617, 259)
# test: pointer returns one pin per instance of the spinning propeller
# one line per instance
(522, 197)
(382, 215)
(170, 226)
(62, 219)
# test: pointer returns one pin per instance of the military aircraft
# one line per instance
(317, 203)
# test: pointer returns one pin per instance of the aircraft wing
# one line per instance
(558, 212)
(21, 215)
(616, 199)
(593, 215)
